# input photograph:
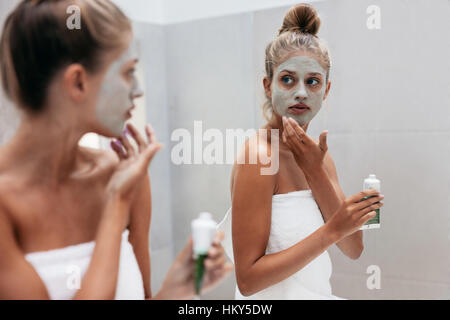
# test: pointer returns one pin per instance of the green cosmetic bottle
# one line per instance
(203, 231)
(372, 183)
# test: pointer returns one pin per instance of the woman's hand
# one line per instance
(307, 153)
(133, 164)
(353, 213)
(179, 282)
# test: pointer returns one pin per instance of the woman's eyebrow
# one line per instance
(315, 73)
(288, 71)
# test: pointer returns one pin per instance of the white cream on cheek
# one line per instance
(116, 93)
(283, 98)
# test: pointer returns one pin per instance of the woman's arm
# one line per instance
(19, 280)
(100, 280)
(252, 208)
(140, 217)
(252, 205)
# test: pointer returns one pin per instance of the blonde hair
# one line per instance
(298, 32)
(36, 43)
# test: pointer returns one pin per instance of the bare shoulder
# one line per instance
(254, 155)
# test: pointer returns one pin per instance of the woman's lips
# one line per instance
(298, 109)
(128, 113)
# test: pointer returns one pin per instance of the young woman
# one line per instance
(282, 224)
(74, 221)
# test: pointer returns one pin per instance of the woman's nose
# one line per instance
(138, 93)
(300, 92)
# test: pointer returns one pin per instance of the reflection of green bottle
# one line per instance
(372, 183)
(203, 230)
(199, 271)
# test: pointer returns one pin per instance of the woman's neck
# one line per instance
(44, 149)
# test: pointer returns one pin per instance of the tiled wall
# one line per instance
(8, 115)
(152, 65)
(209, 69)
(387, 113)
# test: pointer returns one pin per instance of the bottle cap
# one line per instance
(205, 215)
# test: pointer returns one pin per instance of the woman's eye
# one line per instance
(312, 81)
(287, 80)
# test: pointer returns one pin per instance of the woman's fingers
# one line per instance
(117, 147)
(150, 134)
(126, 144)
(216, 263)
(186, 254)
(368, 202)
(218, 237)
(323, 141)
(291, 135)
(360, 195)
(372, 207)
(300, 133)
(153, 147)
(216, 253)
(141, 143)
(367, 217)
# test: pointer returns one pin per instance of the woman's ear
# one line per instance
(74, 82)
(267, 89)
(327, 90)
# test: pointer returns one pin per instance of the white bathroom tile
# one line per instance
(354, 287)
(413, 241)
(209, 72)
(354, 157)
(160, 260)
(152, 55)
(414, 64)
(378, 113)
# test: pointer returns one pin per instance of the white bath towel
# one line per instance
(295, 215)
(62, 270)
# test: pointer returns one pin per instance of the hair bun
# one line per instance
(301, 18)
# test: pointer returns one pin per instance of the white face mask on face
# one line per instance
(116, 94)
(283, 99)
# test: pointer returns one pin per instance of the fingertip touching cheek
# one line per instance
(298, 88)
(117, 92)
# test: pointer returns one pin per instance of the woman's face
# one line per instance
(117, 91)
(298, 88)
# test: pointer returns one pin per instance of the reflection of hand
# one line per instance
(354, 212)
(133, 164)
(179, 282)
(307, 153)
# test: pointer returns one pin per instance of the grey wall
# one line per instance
(387, 114)
(9, 117)
(210, 70)
(153, 63)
